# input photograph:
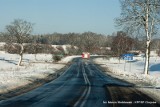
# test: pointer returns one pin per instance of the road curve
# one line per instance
(82, 85)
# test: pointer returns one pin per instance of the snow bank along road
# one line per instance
(82, 85)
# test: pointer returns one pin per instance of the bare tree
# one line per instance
(141, 16)
(122, 43)
(19, 30)
(91, 41)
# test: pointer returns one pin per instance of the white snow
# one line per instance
(134, 69)
(133, 73)
(2, 44)
(63, 46)
(12, 76)
(68, 59)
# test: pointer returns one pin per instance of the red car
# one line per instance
(86, 55)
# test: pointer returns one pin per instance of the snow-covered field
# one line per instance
(12, 76)
(133, 73)
(133, 69)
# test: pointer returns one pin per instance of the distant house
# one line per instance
(106, 48)
(2, 44)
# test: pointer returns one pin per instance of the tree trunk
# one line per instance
(148, 40)
(21, 55)
(146, 69)
(20, 60)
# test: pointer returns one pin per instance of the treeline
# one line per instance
(91, 42)
(87, 41)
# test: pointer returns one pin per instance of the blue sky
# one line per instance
(62, 16)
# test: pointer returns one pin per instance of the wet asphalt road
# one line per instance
(82, 85)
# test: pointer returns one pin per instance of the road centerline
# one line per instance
(87, 90)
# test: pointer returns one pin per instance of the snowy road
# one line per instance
(82, 85)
